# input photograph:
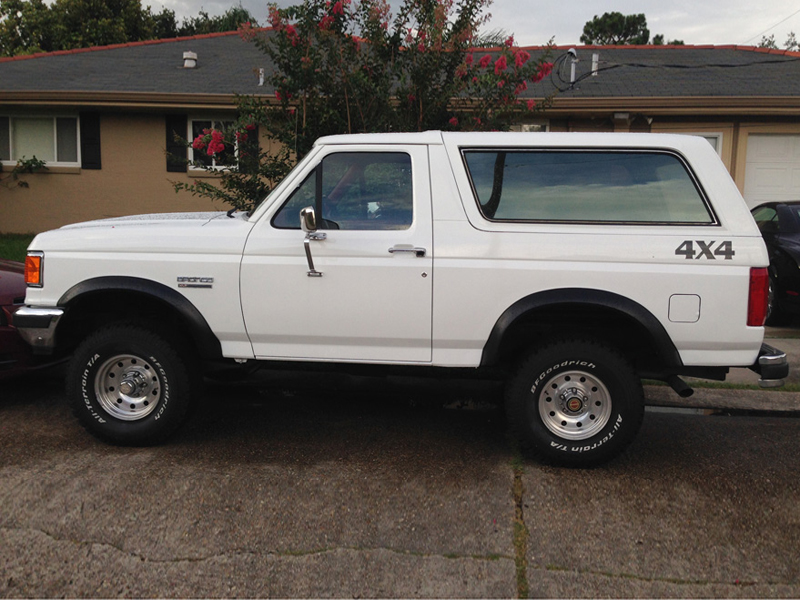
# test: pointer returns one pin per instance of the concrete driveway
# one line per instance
(373, 490)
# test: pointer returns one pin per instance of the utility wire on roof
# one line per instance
(562, 85)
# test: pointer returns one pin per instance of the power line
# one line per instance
(773, 27)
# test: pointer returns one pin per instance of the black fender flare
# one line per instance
(582, 297)
(207, 343)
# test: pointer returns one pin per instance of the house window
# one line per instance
(532, 127)
(200, 158)
(51, 139)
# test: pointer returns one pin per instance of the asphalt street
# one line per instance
(372, 489)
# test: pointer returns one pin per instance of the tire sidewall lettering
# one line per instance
(584, 364)
(164, 387)
(586, 447)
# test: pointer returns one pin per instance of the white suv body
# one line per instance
(465, 250)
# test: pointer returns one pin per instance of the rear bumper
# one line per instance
(37, 326)
(772, 365)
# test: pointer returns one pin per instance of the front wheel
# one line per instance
(576, 403)
(129, 385)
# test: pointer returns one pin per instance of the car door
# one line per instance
(359, 288)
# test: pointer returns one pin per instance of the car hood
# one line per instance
(189, 219)
(197, 233)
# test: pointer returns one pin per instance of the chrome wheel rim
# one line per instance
(127, 387)
(574, 405)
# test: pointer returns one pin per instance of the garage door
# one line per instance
(773, 168)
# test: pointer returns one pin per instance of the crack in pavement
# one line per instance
(280, 554)
(521, 533)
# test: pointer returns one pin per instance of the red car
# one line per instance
(15, 355)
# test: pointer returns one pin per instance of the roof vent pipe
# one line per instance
(189, 60)
(595, 63)
(574, 55)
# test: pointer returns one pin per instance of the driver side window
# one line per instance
(355, 191)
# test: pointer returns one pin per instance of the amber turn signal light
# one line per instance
(33, 269)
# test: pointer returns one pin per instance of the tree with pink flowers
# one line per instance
(350, 66)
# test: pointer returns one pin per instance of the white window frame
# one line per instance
(215, 121)
(54, 117)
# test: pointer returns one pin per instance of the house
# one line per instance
(104, 118)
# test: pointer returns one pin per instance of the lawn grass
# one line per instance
(14, 245)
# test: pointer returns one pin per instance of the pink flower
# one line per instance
(412, 98)
(474, 80)
(215, 146)
(241, 137)
(338, 8)
(326, 22)
(469, 59)
(485, 61)
(500, 65)
(198, 143)
(291, 33)
(531, 104)
(510, 41)
(421, 47)
(453, 121)
(278, 96)
(275, 17)
(521, 58)
(543, 71)
(250, 127)
(246, 31)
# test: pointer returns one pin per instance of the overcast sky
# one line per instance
(534, 22)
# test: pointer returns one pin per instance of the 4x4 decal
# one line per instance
(687, 250)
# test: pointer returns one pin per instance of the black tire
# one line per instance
(129, 385)
(574, 403)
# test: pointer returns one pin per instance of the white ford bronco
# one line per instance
(571, 265)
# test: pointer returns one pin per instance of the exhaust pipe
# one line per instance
(680, 386)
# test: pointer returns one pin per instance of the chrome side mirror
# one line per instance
(308, 223)
(308, 219)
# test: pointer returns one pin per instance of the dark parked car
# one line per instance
(15, 355)
(779, 223)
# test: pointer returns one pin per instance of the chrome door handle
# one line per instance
(418, 252)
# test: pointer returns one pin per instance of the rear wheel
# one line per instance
(129, 385)
(575, 402)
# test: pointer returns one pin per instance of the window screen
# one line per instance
(572, 186)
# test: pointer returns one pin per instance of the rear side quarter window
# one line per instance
(569, 186)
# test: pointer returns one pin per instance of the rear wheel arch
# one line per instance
(615, 319)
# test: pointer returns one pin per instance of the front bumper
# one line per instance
(772, 365)
(37, 326)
